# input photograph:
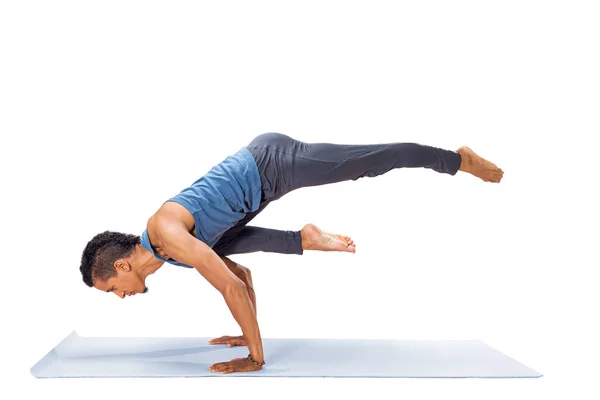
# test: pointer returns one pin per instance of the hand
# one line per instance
(230, 341)
(235, 365)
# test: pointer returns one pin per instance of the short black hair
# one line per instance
(100, 254)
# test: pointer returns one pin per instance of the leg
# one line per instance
(286, 164)
(252, 239)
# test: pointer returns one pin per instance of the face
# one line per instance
(126, 283)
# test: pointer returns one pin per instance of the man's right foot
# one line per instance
(314, 238)
(478, 166)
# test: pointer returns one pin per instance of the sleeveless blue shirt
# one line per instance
(219, 199)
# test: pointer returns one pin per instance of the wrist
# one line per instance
(255, 362)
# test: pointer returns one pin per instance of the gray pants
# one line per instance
(287, 164)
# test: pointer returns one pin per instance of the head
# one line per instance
(111, 261)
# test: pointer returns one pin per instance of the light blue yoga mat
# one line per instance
(101, 357)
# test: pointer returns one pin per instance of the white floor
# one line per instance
(110, 357)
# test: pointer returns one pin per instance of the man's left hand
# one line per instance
(235, 365)
(230, 341)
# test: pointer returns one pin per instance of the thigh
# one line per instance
(286, 164)
(235, 230)
(266, 149)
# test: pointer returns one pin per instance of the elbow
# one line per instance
(234, 289)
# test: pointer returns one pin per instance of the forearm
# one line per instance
(247, 279)
(240, 305)
(244, 275)
(251, 292)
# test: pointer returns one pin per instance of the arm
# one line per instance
(244, 274)
(185, 248)
(251, 291)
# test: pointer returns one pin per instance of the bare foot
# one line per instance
(314, 238)
(478, 166)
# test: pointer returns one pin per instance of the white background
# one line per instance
(109, 108)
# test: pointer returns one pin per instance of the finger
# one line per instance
(220, 369)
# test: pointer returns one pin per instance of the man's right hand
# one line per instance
(230, 341)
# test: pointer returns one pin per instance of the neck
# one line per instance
(145, 263)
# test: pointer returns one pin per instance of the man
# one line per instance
(206, 222)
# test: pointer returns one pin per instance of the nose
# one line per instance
(120, 294)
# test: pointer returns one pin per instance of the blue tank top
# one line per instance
(219, 199)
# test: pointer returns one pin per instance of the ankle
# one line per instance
(305, 245)
(465, 162)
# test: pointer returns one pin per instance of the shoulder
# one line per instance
(162, 232)
(172, 214)
(160, 224)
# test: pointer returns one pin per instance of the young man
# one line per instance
(206, 222)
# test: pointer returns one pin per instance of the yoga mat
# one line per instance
(101, 357)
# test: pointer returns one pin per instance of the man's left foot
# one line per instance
(314, 238)
(479, 166)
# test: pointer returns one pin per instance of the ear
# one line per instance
(122, 265)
